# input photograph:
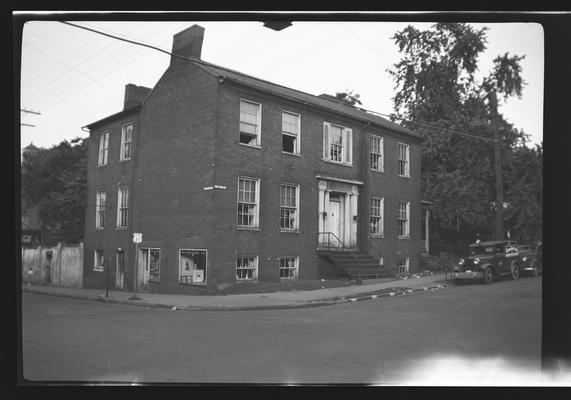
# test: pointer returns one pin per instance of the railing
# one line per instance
(324, 238)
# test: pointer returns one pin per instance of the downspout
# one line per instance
(365, 179)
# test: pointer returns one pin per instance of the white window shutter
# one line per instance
(407, 161)
(348, 139)
(408, 219)
(326, 141)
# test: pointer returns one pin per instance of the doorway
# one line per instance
(335, 221)
(119, 269)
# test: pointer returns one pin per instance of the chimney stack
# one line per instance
(188, 43)
(134, 95)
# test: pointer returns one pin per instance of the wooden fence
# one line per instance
(59, 265)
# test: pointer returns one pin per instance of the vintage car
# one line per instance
(488, 261)
(531, 255)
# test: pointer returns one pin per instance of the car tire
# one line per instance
(515, 272)
(488, 276)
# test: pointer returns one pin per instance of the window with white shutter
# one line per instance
(337, 144)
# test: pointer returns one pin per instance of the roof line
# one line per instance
(397, 128)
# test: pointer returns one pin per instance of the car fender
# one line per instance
(488, 265)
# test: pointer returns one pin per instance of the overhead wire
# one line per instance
(188, 59)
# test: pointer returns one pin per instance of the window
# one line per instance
(122, 207)
(337, 143)
(376, 211)
(402, 265)
(98, 261)
(103, 149)
(126, 139)
(377, 153)
(403, 161)
(248, 200)
(289, 204)
(192, 266)
(247, 268)
(154, 260)
(288, 267)
(290, 132)
(100, 210)
(403, 220)
(250, 122)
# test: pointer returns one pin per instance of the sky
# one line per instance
(73, 77)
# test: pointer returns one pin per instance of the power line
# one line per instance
(189, 59)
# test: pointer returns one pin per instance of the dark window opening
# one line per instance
(247, 138)
(288, 143)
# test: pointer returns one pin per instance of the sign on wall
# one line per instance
(192, 266)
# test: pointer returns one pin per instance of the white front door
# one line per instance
(335, 222)
(143, 273)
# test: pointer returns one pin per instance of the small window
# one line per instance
(377, 151)
(250, 122)
(289, 207)
(192, 266)
(403, 160)
(100, 210)
(247, 268)
(103, 149)
(248, 202)
(126, 139)
(337, 143)
(122, 207)
(290, 132)
(376, 211)
(402, 265)
(404, 220)
(99, 260)
(289, 267)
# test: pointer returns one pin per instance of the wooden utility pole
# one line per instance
(497, 168)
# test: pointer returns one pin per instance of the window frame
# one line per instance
(297, 145)
(121, 207)
(296, 208)
(380, 218)
(122, 156)
(103, 153)
(404, 162)
(100, 205)
(258, 126)
(406, 226)
(380, 156)
(254, 269)
(295, 268)
(406, 265)
(256, 225)
(98, 260)
(346, 144)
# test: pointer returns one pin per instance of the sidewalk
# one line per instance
(254, 301)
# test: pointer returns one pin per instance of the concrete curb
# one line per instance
(307, 304)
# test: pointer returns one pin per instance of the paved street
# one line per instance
(393, 340)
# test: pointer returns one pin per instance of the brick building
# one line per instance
(231, 178)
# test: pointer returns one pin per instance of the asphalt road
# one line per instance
(446, 335)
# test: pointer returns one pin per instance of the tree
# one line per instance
(55, 180)
(349, 97)
(439, 97)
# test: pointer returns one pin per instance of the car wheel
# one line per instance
(535, 266)
(515, 272)
(488, 276)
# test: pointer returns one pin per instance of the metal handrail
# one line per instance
(329, 234)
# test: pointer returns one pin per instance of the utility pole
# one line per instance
(493, 98)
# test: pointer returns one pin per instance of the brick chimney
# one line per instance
(134, 95)
(188, 43)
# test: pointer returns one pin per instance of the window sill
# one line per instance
(292, 154)
(404, 176)
(290, 230)
(403, 237)
(377, 236)
(238, 281)
(381, 171)
(253, 146)
(343, 164)
(124, 160)
(248, 229)
(98, 269)
(99, 229)
(200, 284)
(102, 165)
(122, 228)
